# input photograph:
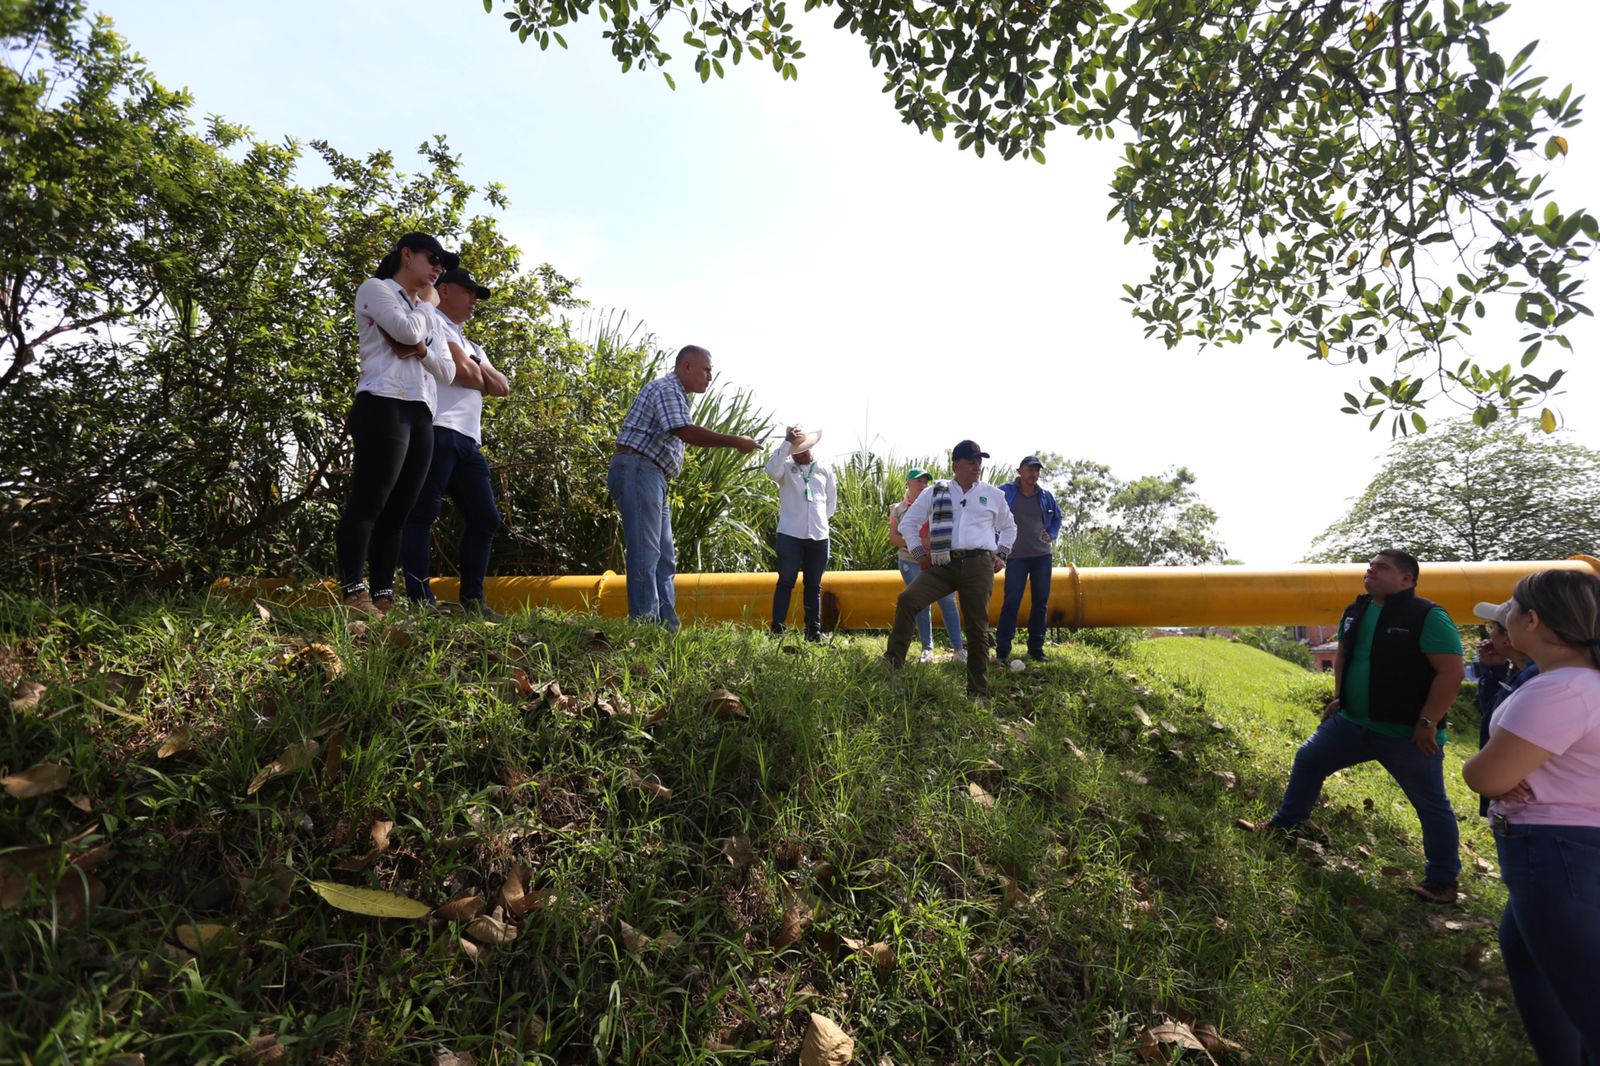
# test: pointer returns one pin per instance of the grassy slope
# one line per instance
(1103, 888)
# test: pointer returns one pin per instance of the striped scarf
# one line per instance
(941, 524)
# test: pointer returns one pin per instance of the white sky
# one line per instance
(857, 276)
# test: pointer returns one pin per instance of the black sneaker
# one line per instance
(1036, 656)
(1436, 891)
(481, 611)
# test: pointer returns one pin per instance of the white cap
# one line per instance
(1494, 612)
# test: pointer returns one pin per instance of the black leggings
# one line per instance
(394, 446)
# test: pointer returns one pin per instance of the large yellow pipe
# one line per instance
(1098, 596)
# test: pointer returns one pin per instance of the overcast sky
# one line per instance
(856, 276)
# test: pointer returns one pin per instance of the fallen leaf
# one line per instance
(468, 948)
(977, 794)
(513, 895)
(83, 803)
(36, 780)
(533, 1029)
(294, 758)
(370, 901)
(76, 896)
(381, 828)
(398, 636)
(1138, 779)
(519, 677)
(1077, 751)
(1393, 871)
(725, 704)
(1151, 1041)
(460, 910)
(173, 743)
(631, 938)
(487, 930)
(262, 612)
(29, 693)
(443, 1056)
(738, 851)
(798, 914)
(881, 954)
(315, 653)
(1214, 1042)
(197, 936)
(1143, 716)
(1010, 893)
(263, 1051)
(853, 943)
(1227, 777)
(332, 758)
(655, 788)
(826, 1044)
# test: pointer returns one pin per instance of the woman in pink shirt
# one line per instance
(1542, 769)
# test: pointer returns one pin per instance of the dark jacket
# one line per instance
(1047, 506)
(1401, 674)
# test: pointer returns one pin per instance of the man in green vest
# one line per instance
(1397, 670)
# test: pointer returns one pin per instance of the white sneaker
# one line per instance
(960, 656)
(1017, 666)
(926, 656)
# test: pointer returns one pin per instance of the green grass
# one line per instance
(1103, 889)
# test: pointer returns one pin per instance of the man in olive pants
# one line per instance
(970, 533)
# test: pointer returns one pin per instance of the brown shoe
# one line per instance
(1436, 891)
(360, 603)
(383, 605)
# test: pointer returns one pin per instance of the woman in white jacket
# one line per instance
(403, 356)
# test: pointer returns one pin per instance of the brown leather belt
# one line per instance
(623, 449)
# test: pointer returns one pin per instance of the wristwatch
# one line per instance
(1429, 722)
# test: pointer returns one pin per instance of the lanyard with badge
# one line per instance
(805, 476)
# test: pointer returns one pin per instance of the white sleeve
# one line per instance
(1005, 526)
(439, 362)
(775, 465)
(382, 302)
(911, 523)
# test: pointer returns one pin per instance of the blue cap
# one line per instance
(1032, 460)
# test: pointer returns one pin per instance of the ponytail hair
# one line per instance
(1568, 603)
(389, 265)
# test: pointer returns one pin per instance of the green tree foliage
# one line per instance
(1154, 520)
(1276, 640)
(1359, 181)
(1469, 493)
(178, 352)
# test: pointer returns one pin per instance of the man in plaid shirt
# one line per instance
(650, 448)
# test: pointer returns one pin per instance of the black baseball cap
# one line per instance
(427, 242)
(462, 276)
(1032, 460)
(967, 449)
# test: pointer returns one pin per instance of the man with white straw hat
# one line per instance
(807, 497)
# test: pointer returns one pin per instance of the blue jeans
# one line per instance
(639, 488)
(458, 468)
(947, 611)
(796, 554)
(1341, 743)
(1550, 939)
(1034, 572)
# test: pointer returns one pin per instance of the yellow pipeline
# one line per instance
(1099, 596)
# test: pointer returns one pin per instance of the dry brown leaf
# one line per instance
(881, 954)
(462, 909)
(1011, 893)
(1214, 1042)
(443, 1056)
(533, 1030)
(381, 828)
(487, 930)
(519, 677)
(314, 653)
(76, 896)
(1081, 755)
(979, 795)
(826, 1044)
(294, 758)
(1227, 777)
(1138, 779)
(853, 943)
(398, 636)
(715, 1046)
(798, 914)
(262, 612)
(174, 742)
(197, 936)
(1143, 716)
(514, 895)
(1393, 871)
(36, 780)
(332, 758)
(83, 803)
(469, 949)
(668, 939)
(29, 693)
(653, 787)
(725, 704)
(264, 1051)
(1152, 1041)
(631, 938)
(738, 850)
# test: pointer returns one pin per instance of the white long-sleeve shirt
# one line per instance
(983, 519)
(383, 306)
(807, 495)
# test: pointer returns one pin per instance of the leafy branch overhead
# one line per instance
(1360, 181)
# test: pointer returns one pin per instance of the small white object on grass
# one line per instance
(1017, 666)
